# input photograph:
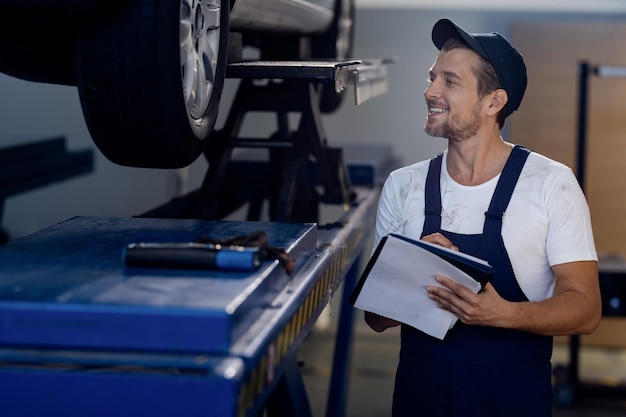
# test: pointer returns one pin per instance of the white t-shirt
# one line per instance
(546, 223)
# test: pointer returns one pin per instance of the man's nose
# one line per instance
(432, 91)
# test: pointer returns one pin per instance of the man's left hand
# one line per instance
(486, 308)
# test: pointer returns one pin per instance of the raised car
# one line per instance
(150, 73)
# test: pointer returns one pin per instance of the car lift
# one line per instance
(83, 334)
(298, 160)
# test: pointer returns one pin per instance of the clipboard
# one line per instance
(394, 282)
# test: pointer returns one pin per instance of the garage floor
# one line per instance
(373, 367)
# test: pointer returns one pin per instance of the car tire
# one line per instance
(337, 44)
(150, 75)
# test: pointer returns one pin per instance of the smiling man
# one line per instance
(522, 212)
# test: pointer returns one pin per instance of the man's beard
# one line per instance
(456, 129)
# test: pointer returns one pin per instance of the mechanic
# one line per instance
(522, 212)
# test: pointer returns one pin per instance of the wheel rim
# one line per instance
(199, 51)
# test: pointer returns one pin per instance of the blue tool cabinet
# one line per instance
(81, 334)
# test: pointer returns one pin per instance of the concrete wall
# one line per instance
(32, 111)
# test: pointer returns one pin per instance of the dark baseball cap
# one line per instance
(504, 58)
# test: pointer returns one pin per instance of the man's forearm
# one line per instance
(567, 313)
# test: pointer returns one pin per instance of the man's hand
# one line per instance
(486, 308)
(574, 308)
(441, 240)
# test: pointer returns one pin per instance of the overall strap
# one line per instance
(432, 197)
(504, 189)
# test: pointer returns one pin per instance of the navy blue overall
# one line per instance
(476, 371)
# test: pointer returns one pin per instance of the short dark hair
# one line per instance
(486, 76)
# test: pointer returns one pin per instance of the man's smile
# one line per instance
(436, 108)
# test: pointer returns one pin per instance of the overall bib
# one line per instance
(476, 371)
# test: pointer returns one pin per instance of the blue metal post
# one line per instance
(339, 383)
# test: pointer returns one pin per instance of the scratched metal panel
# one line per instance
(67, 286)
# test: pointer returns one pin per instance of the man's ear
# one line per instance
(499, 98)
